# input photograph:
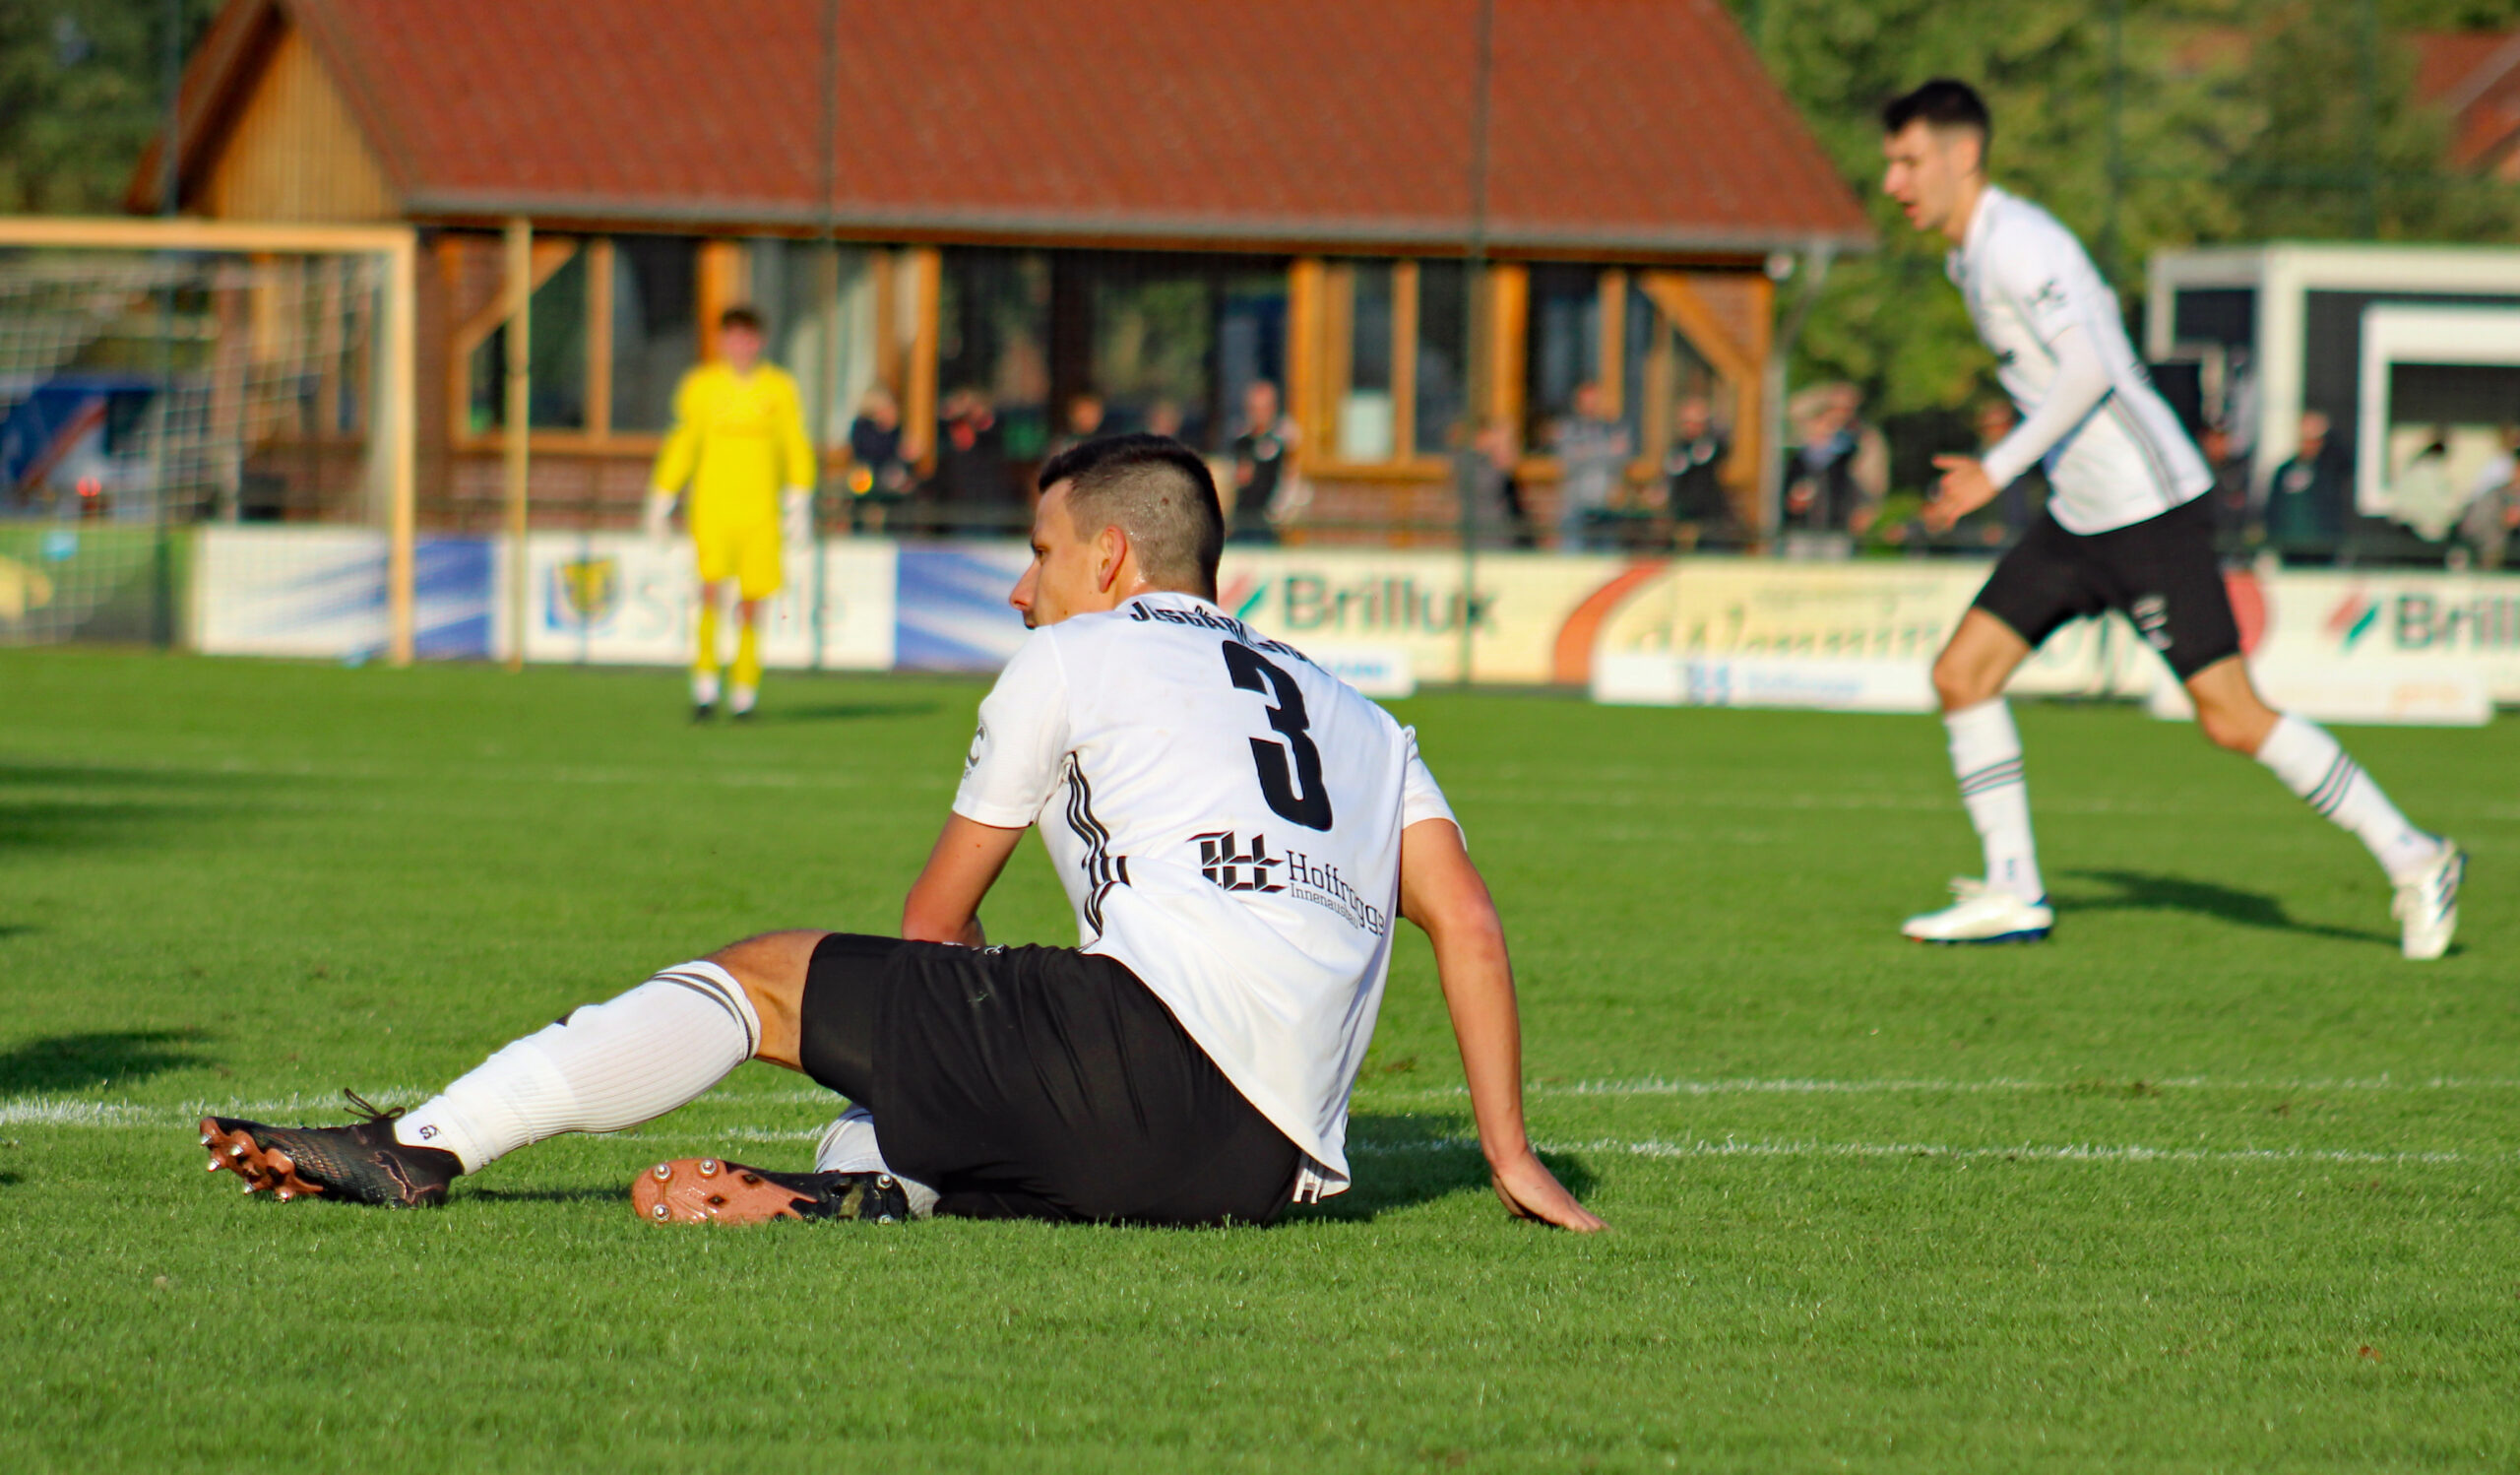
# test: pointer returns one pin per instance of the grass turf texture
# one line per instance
(2213, 1181)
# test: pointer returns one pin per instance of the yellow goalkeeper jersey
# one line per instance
(737, 439)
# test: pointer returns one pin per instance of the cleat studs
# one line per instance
(663, 1172)
(707, 1167)
(212, 1165)
(236, 1151)
(286, 1195)
(250, 1185)
(661, 1212)
(205, 1140)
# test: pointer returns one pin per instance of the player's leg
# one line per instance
(603, 1067)
(2037, 586)
(2423, 868)
(704, 657)
(758, 576)
(2010, 904)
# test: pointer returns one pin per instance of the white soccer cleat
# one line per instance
(1980, 914)
(2428, 905)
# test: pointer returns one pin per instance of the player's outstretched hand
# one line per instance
(1530, 1192)
(1964, 488)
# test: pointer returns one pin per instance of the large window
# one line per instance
(655, 326)
(993, 343)
(1443, 355)
(556, 357)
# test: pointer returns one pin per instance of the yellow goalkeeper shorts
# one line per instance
(746, 552)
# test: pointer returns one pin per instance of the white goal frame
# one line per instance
(395, 424)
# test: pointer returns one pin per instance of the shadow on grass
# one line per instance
(1401, 1161)
(2140, 891)
(848, 711)
(551, 1196)
(9, 929)
(11, 1179)
(81, 1062)
(34, 815)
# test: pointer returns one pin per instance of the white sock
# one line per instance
(704, 688)
(2314, 767)
(1986, 755)
(740, 699)
(605, 1067)
(850, 1147)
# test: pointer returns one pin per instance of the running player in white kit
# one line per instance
(1237, 832)
(2125, 531)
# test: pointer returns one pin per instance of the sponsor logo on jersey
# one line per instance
(1231, 866)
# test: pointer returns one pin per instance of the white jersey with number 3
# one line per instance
(2027, 280)
(1226, 819)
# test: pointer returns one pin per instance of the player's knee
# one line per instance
(1958, 684)
(2227, 729)
(772, 963)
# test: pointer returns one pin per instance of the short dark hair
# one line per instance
(1157, 490)
(743, 316)
(1943, 103)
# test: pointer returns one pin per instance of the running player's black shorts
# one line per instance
(2161, 573)
(1036, 1083)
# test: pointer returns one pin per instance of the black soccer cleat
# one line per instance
(359, 1162)
(711, 1191)
(703, 710)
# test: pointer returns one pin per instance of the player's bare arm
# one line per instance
(1442, 892)
(944, 903)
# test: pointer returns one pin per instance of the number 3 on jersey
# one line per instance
(1296, 794)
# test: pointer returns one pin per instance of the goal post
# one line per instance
(57, 293)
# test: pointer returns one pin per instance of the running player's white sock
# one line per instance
(704, 688)
(740, 699)
(606, 1067)
(1986, 755)
(2314, 766)
(850, 1147)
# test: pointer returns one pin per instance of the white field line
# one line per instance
(1803, 1086)
(58, 1110)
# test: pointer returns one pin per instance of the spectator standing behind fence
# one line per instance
(1498, 519)
(2306, 499)
(1839, 468)
(1264, 468)
(1593, 452)
(1694, 490)
(879, 477)
(971, 488)
(2228, 496)
(738, 442)
(1085, 415)
(2494, 509)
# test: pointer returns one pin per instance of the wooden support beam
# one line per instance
(1611, 369)
(600, 257)
(518, 297)
(1404, 359)
(1509, 301)
(918, 407)
(1308, 311)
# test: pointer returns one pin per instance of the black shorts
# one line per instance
(2161, 573)
(1036, 1083)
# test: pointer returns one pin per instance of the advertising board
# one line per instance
(621, 599)
(276, 591)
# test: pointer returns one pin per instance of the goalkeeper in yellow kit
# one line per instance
(739, 443)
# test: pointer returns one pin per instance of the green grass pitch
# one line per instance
(2212, 1181)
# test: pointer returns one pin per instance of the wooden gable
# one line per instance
(292, 149)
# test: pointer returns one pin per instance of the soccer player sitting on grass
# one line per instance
(739, 442)
(1236, 831)
(2127, 529)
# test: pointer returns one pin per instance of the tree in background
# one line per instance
(82, 92)
(2235, 122)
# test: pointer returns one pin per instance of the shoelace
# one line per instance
(369, 1115)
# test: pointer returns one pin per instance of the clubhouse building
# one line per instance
(990, 210)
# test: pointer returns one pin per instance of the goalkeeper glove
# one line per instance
(796, 515)
(660, 515)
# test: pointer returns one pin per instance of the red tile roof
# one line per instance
(2476, 76)
(1641, 125)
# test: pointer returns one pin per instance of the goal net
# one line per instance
(147, 394)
